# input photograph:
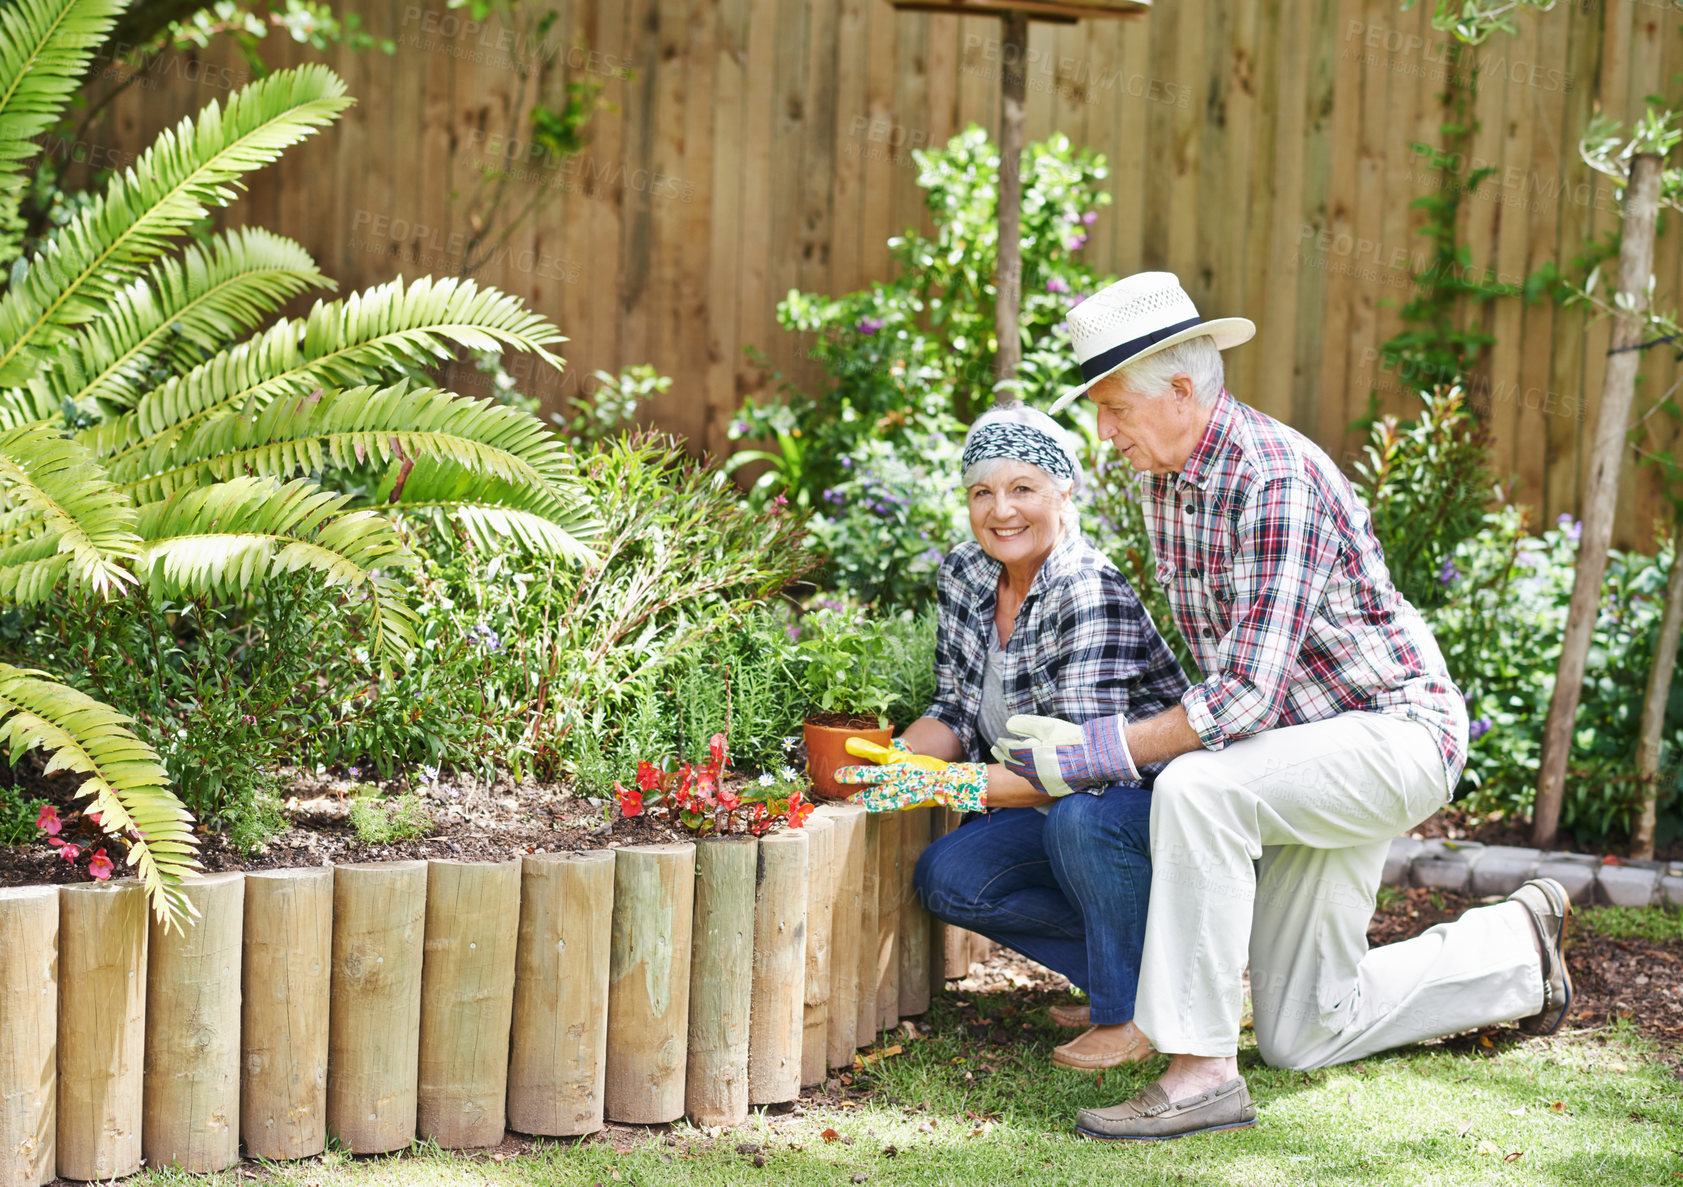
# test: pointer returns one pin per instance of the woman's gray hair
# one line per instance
(1022, 414)
(1196, 358)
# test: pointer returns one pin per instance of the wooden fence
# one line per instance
(1259, 148)
(450, 1000)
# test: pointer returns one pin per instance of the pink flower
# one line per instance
(47, 820)
(728, 799)
(69, 852)
(716, 748)
(630, 801)
(99, 865)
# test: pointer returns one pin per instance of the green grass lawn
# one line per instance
(976, 1102)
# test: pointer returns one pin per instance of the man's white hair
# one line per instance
(1022, 414)
(1197, 358)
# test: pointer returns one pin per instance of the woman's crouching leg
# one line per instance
(1099, 847)
(991, 875)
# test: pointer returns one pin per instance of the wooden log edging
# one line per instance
(103, 938)
(558, 1052)
(286, 978)
(820, 917)
(467, 1001)
(374, 1024)
(841, 1040)
(721, 981)
(29, 922)
(377, 1002)
(190, 1117)
(649, 982)
(915, 929)
(774, 1040)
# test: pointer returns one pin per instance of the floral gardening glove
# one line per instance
(1059, 757)
(897, 785)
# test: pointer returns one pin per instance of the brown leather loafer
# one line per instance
(1092, 1061)
(1550, 907)
(1072, 1017)
(1153, 1117)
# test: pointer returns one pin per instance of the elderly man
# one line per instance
(1326, 724)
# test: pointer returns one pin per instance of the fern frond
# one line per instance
(227, 539)
(80, 513)
(391, 329)
(494, 512)
(45, 47)
(307, 433)
(185, 173)
(129, 786)
(174, 316)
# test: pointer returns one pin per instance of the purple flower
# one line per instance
(1057, 285)
(1448, 575)
(353, 772)
(1079, 297)
(1074, 242)
(1091, 217)
(1477, 728)
(1573, 528)
(869, 325)
(832, 496)
(932, 555)
(482, 635)
(738, 428)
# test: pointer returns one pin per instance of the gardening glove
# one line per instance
(895, 751)
(899, 785)
(1060, 757)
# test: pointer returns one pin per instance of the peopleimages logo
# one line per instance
(1442, 61)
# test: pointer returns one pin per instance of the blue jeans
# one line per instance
(1068, 889)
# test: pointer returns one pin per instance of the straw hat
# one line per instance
(1138, 316)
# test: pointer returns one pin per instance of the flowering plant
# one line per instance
(695, 796)
(47, 820)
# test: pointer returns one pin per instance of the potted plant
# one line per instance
(848, 692)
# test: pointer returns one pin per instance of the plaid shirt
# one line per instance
(1082, 645)
(1279, 585)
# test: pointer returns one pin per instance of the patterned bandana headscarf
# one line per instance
(1024, 443)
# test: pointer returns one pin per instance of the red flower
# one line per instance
(798, 811)
(630, 801)
(69, 852)
(648, 776)
(717, 748)
(47, 820)
(728, 799)
(92, 817)
(759, 819)
(99, 865)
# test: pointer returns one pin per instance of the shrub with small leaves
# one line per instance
(381, 820)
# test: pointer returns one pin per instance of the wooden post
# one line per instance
(467, 1001)
(914, 920)
(841, 1040)
(1008, 277)
(28, 1035)
(820, 908)
(865, 1019)
(951, 945)
(558, 1053)
(288, 957)
(379, 921)
(102, 936)
(888, 919)
(649, 982)
(721, 981)
(1601, 489)
(1650, 735)
(774, 1035)
(190, 1117)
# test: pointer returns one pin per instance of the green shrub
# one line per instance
(910, 361)
(17, 817)
(382, 821)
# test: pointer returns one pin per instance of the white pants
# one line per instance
(1317, 805)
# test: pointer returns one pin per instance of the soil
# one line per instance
(1456, 824)
(471, 820)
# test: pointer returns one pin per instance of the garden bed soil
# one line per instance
(1456, 824)
(472, 820)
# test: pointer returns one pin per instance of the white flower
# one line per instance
(767, 779)
(787, 773)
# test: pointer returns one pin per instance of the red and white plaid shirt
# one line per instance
(1279, 585)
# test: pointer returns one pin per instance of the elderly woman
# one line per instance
(1033, 620)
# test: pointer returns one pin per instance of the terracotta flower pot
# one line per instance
(826, 748)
